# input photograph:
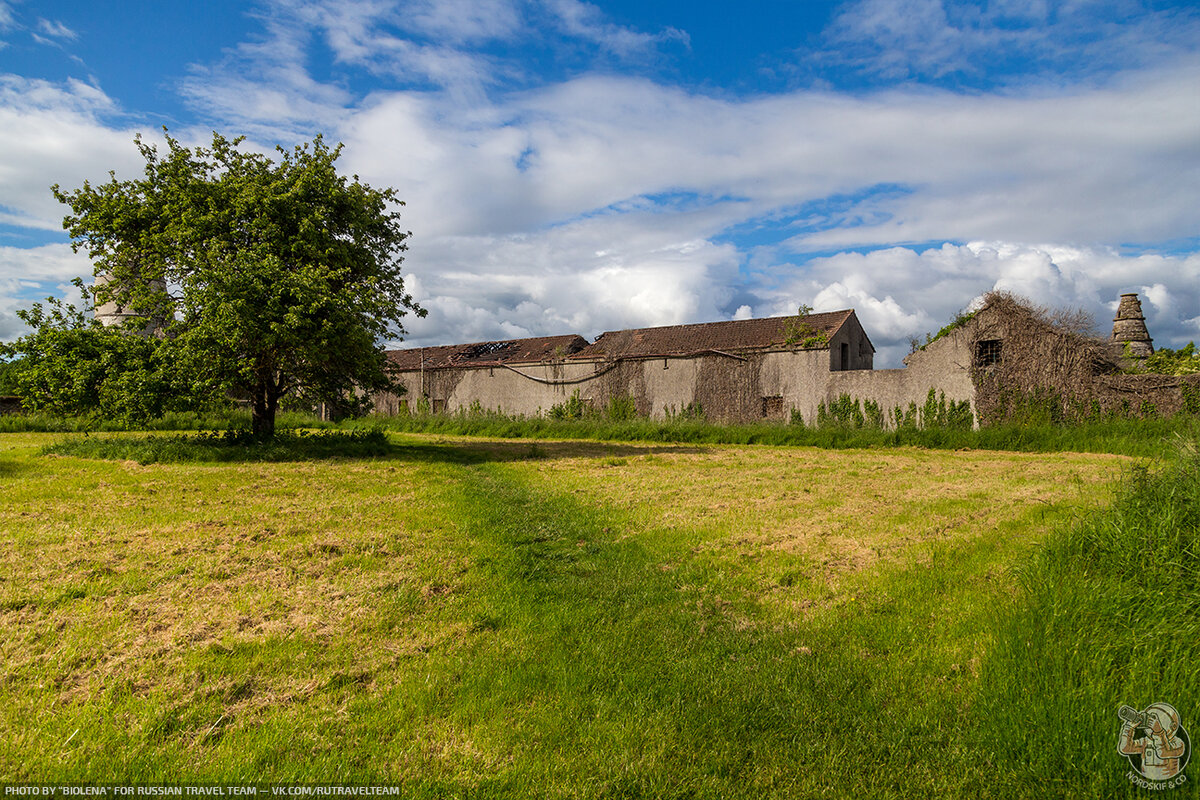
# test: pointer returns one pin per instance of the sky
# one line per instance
(575, 167)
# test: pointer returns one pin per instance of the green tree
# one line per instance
(268, 276)
(1165, 361)
(70, 365)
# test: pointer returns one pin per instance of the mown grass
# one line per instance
(228, 445)
(574, 619)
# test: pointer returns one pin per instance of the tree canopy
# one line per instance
(268, 276)
(70, 365)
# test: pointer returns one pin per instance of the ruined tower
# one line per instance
(111, 312)
(1129, 334)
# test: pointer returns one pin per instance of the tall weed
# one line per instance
(1108, 615)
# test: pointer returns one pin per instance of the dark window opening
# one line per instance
(772, 406)
(845, 355)
(987, 352)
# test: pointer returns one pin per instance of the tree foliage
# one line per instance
(71, 365)
(1165, 361)
(267, 276)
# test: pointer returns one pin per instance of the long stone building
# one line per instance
(768, 369)
(730, 371)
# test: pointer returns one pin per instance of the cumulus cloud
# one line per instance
(604, 201)
(900, 292)
(585, 277)
(31, 274)
(55, 133)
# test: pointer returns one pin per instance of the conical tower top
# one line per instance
(1129, 327)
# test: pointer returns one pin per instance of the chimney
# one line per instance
(1129, 333)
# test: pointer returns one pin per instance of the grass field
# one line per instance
(516, 618)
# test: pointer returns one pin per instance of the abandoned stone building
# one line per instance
(766, 369)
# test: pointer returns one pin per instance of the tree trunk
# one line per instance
(262, 417)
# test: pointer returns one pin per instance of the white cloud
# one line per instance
(55, 133)
(585, 277)
(901, 39)
(586, 21)
(31, 274)
(49, 263)
(56, 30)
(1104, 165)
(900, 293)
(605, 202)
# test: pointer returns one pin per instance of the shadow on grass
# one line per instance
(9, 469)
(294, 446)
(482, 452)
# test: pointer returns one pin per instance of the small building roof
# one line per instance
(677, 340)
(483, 354)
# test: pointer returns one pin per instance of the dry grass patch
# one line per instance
(114, 577)
(463, 608)
(838, 511)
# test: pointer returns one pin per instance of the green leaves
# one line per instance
(70, 365)
(268, 276)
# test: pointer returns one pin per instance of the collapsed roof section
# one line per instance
(486, 354)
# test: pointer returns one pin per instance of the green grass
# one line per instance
(1109, 615)
(1140, 437)
(1133, 437)
(586, 619)
(229, 445)
(175, 421)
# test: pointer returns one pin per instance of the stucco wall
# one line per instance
(519, 390)
(726, 388)
(741, 388)
(943, 366)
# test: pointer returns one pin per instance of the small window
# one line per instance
(772, 406)
(845, 355)
(987, 352)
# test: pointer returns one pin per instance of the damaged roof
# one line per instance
(483, 354)
(749, 334)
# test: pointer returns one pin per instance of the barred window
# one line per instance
(987, 352)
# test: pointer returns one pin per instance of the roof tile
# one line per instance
(482, 354)
(732, 336)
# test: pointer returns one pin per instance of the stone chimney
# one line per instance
(1129, 333)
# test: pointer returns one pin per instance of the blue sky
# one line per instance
(578, 167)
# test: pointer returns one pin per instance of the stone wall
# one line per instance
(1146, 395)
(727, 388)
